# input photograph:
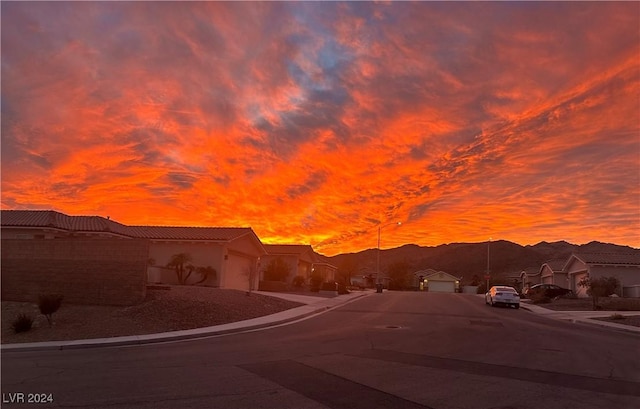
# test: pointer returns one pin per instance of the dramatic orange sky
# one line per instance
(319, 122)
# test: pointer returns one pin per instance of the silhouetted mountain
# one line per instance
(467, 259)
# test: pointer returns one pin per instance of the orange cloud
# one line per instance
(319, 122)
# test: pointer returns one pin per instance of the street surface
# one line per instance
(390, 350)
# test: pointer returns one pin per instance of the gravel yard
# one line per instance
(169, 309)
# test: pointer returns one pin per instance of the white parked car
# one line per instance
(502, 295)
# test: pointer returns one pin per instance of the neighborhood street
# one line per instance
(389, 350)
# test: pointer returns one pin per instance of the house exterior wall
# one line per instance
(203, 254)
(550, 277)
(628, 275)
(97, 271)
(291, 261)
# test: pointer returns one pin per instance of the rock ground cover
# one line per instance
(165, 309)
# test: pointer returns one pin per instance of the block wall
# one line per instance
(85, 271)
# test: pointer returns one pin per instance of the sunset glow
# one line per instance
(315, 123)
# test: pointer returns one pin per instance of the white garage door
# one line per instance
(441, 286)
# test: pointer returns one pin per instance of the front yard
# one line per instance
(172, 309)
(586, 304)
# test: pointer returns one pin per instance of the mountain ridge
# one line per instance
(468, 259)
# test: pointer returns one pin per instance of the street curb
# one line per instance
(608, 325)
(182, 335)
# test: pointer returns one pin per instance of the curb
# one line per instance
(182, 335)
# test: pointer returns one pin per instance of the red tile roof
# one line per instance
(630, 259)
(288, 248)
(188, 233)
(57, 220)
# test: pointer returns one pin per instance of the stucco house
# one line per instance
(625, 267)
(436, 281)
(302, 261)
(552, 272)
(234, 252)
(530, 276)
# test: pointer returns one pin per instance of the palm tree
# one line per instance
(181, 262)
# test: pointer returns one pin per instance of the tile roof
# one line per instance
(287, 248)
(57, 220)
(555, 264)
(188, 233)
(630, 259)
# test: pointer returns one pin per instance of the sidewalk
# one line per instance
(584, 317)
(314, 306)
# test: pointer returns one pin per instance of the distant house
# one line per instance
(530, 276)
(436, 281)
(552, 272)
(625, 267)
(233, 252)
(302, 261)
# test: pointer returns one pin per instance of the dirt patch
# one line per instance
(178, 308)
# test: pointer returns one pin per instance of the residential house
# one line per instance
(529, 276)
(625, 267)
(552, 272)
(302, 261)
(233, 252)
(436, 281)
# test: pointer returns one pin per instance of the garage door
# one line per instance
(441, 286)
(579, 291)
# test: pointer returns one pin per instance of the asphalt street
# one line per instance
(390, 350)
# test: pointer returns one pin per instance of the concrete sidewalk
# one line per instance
(584, 317)
(314, 305)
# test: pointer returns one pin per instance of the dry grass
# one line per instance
(164, 310)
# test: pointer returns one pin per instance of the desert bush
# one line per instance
(329, 286)
(22, 323)
(315, 282)
(599, 287)
(277, 270)
(298, 282)
(49, 304)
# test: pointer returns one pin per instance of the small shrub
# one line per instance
(298, 282)
(538, 297)
(49, 304)
(329, 286)
(617, 317)
(22, 323)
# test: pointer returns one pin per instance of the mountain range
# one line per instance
(466, 259)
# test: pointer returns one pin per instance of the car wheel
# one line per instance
(517, 306)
